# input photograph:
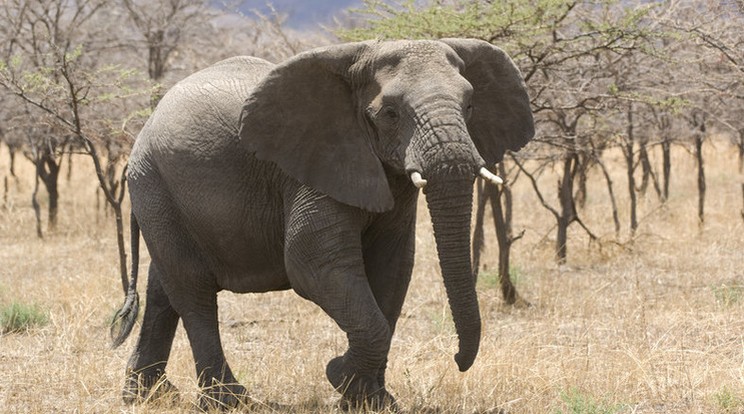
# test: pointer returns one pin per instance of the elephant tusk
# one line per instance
(488, 175)
(417, 180)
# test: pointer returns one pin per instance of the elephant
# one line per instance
(305, 175)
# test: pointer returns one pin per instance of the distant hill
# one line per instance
(302, 13)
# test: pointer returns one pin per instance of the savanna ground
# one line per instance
(649, 325)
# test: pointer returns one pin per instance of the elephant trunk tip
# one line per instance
(469, 345)
(464, 362)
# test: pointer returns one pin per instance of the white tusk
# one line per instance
(417, 180)
(488, 175)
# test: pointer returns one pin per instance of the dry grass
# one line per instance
(652, 325)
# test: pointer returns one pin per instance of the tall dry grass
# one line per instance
(649, 325)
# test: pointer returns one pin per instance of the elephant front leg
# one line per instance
(325, 265)
(345, 296)
(389, 246)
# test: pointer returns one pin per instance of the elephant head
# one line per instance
(339, 118)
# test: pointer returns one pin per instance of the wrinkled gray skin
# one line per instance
(253, 177)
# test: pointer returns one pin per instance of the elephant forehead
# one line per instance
(422, 50)
(424, 53)
(415, 54)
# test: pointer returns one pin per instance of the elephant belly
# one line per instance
(247, 257)
(254, 270)
(266, 280)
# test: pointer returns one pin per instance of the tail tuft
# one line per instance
(123, 322)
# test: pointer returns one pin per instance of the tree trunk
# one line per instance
(69, 166)
(741, 151)
(645, 167)
(12, 161)
(582, 170)
(502, 214)
(120, 243)
(48, 170)
(98, 204)
(648, 171)
(742, 201)
(630, 169)
(699, 137)
(608, 179)
(478, 236)
(741, 166)
(37, 207)
(504, 237)
(567, 215)
(53, 191)
(666, 151)
(114, 199)
(5, 192)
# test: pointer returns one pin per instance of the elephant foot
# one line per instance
(358, 391)
(140, 388)
(224, 397)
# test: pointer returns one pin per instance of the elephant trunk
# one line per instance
(443, 161)
(449, 198)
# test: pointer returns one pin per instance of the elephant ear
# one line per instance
(502, 117)
(302, 117)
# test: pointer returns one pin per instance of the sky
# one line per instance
(302, 13)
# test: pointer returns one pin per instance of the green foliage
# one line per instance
(442, 321)
(7, 66)
(490, 279)
(68, 83)
(515, 25)
(74, 54)
(673, 104)
(499, 20)
(19, 317)
(728, 401)
(576, 402)
(728, 294)
(117, 83)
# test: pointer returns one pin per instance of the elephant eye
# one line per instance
(390, 112)
(468, 111)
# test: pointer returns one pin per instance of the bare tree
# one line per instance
(714, 34)
(500, 198)
(45, 149)
(164, 28)
(53, 65)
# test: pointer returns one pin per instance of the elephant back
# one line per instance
(199, 115)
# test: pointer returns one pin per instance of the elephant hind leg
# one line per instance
(220, 389)
(185, 286)
(146, 368)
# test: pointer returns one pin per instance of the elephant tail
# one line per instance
(123, 322)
